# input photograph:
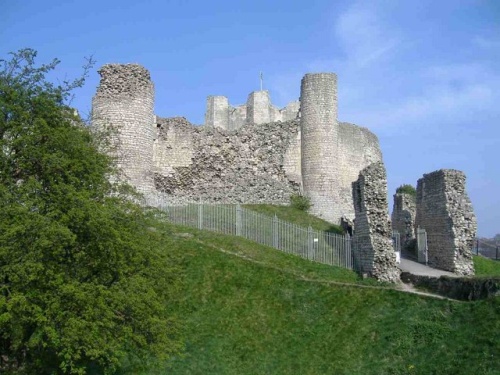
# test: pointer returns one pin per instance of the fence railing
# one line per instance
(318, 246)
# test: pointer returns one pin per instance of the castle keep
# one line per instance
(253, 153)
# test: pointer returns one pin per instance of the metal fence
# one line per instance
(318, 246)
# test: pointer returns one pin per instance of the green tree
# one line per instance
(407, 189)
(86, 283)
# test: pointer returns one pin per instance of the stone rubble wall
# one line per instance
(173, 146)
(445, 211)
(124, 102)
(373, 250)
(403, 217)
(245, 166)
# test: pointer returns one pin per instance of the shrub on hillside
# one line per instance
(300, 202)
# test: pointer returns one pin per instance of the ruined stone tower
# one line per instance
(217, 114)
(320, 134)
(258, 107)
(445, 211)
(124, 101)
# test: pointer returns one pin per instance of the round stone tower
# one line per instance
(124, 103)
(319, 156)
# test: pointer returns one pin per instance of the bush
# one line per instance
(300, 202)
(406, 189)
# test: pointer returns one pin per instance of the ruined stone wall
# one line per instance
(445, 211)
(357, 148)
(320, 137)
(173, 146)
(125, 101)
(244, 166)
(403, 217)
(290, 112)
(292, 160)
(232, 160)
(373, 250)
(217, 113)
(237, 117)
(257, 110)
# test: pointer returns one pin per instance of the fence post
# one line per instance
(309, 242)
(347, 250)
(477, 247)
(275, 232)
(238, 220)
(200, 216)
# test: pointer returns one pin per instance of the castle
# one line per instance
(254, 153)
(257, 153)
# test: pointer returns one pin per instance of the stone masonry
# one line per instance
(257, 110)
(125, 100)
(445, 211)
(320, 138)
(254, 153)
(403, 217)
(255, 164)
(374, 253)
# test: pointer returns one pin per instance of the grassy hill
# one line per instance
(249, 309)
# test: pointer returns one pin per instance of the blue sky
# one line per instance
(423, 75)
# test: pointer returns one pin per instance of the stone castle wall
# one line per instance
(257, 110)
(255, 164)
(125, 101)
(243, 160)
(358, 148)
(445, 211)
(374, 253)
(403, 217)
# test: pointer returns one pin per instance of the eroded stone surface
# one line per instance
(373, 249)
(445, 211)
(403, 217)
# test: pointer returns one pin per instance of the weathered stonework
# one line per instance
(257, 110)
(445, 211)
(320, 141)
(373, 250)
(252, 165)
(254, 153)
(125, 100)
(403, 217)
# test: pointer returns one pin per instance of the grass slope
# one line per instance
(486, 267)
(249, 309)
(295, 216)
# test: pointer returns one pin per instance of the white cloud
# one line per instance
(364, 37)
(454, 92)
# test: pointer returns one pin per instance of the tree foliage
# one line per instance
(407, 189)
(85, 280)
